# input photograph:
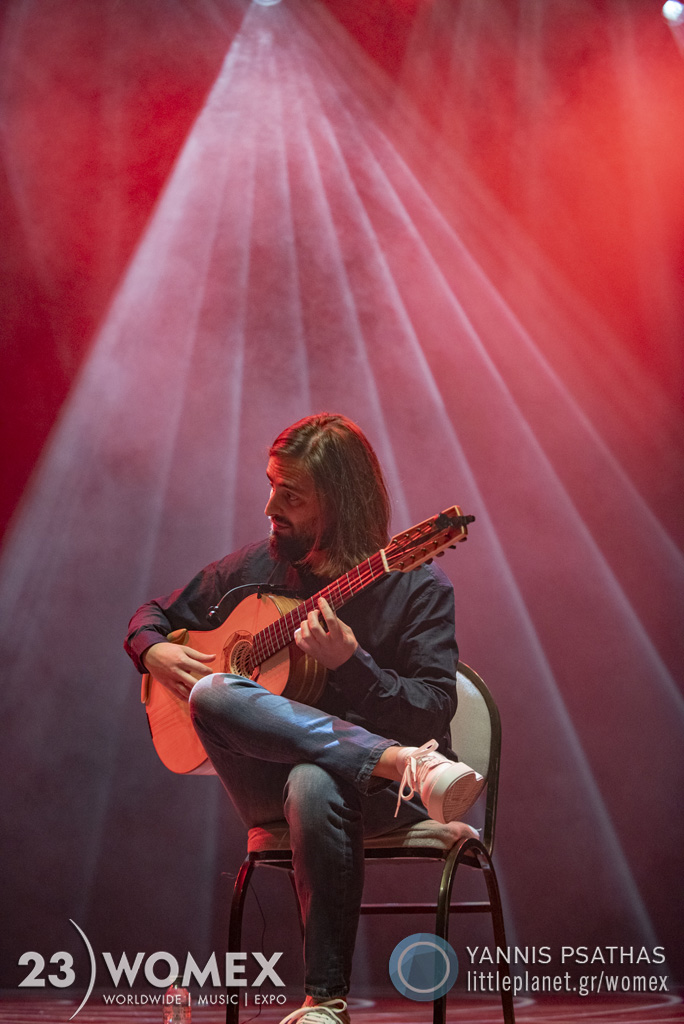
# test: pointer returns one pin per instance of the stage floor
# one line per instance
(618, 1010)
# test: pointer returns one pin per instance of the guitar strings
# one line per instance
(280, 633)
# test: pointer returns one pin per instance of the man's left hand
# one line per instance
(331, 648)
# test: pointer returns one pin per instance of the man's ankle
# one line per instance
(388, 766)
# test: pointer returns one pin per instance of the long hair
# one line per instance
(349, 485)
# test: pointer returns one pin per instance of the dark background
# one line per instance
(460, 224)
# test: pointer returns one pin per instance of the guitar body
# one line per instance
(260, 631)
(289, 672)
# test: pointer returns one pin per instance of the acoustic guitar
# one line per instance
(257, 639)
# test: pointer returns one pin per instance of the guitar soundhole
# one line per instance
(237, 654)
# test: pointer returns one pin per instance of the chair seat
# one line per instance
(275, 837)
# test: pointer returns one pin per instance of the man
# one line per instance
(331, 771)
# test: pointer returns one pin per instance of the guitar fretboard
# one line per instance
(280, 633)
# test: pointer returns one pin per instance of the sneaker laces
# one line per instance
(318, 1013)
(417, 763)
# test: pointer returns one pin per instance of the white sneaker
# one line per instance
(447, 788)
(333, 1011)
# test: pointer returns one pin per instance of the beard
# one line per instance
(292, 547)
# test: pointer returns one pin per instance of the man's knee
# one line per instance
(200, 695)
(209, 696)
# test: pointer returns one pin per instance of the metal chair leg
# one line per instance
(442, 920)
(499, 940)
(451, 865)
(235, 933)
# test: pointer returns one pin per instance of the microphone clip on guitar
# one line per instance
(214, 615)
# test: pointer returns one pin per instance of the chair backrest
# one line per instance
(476, 738)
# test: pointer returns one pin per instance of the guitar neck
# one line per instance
(404, 552)
(280, 633)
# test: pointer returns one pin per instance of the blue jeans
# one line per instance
(278, 758)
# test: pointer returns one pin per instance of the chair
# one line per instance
(476, 735)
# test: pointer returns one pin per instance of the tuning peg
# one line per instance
(440, 554)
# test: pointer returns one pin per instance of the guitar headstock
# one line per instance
(421, 543)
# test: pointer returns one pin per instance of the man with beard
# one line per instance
(349, 767)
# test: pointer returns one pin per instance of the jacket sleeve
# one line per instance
(406, 688)
(186, 607)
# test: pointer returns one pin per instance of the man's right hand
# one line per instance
(177, 667)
